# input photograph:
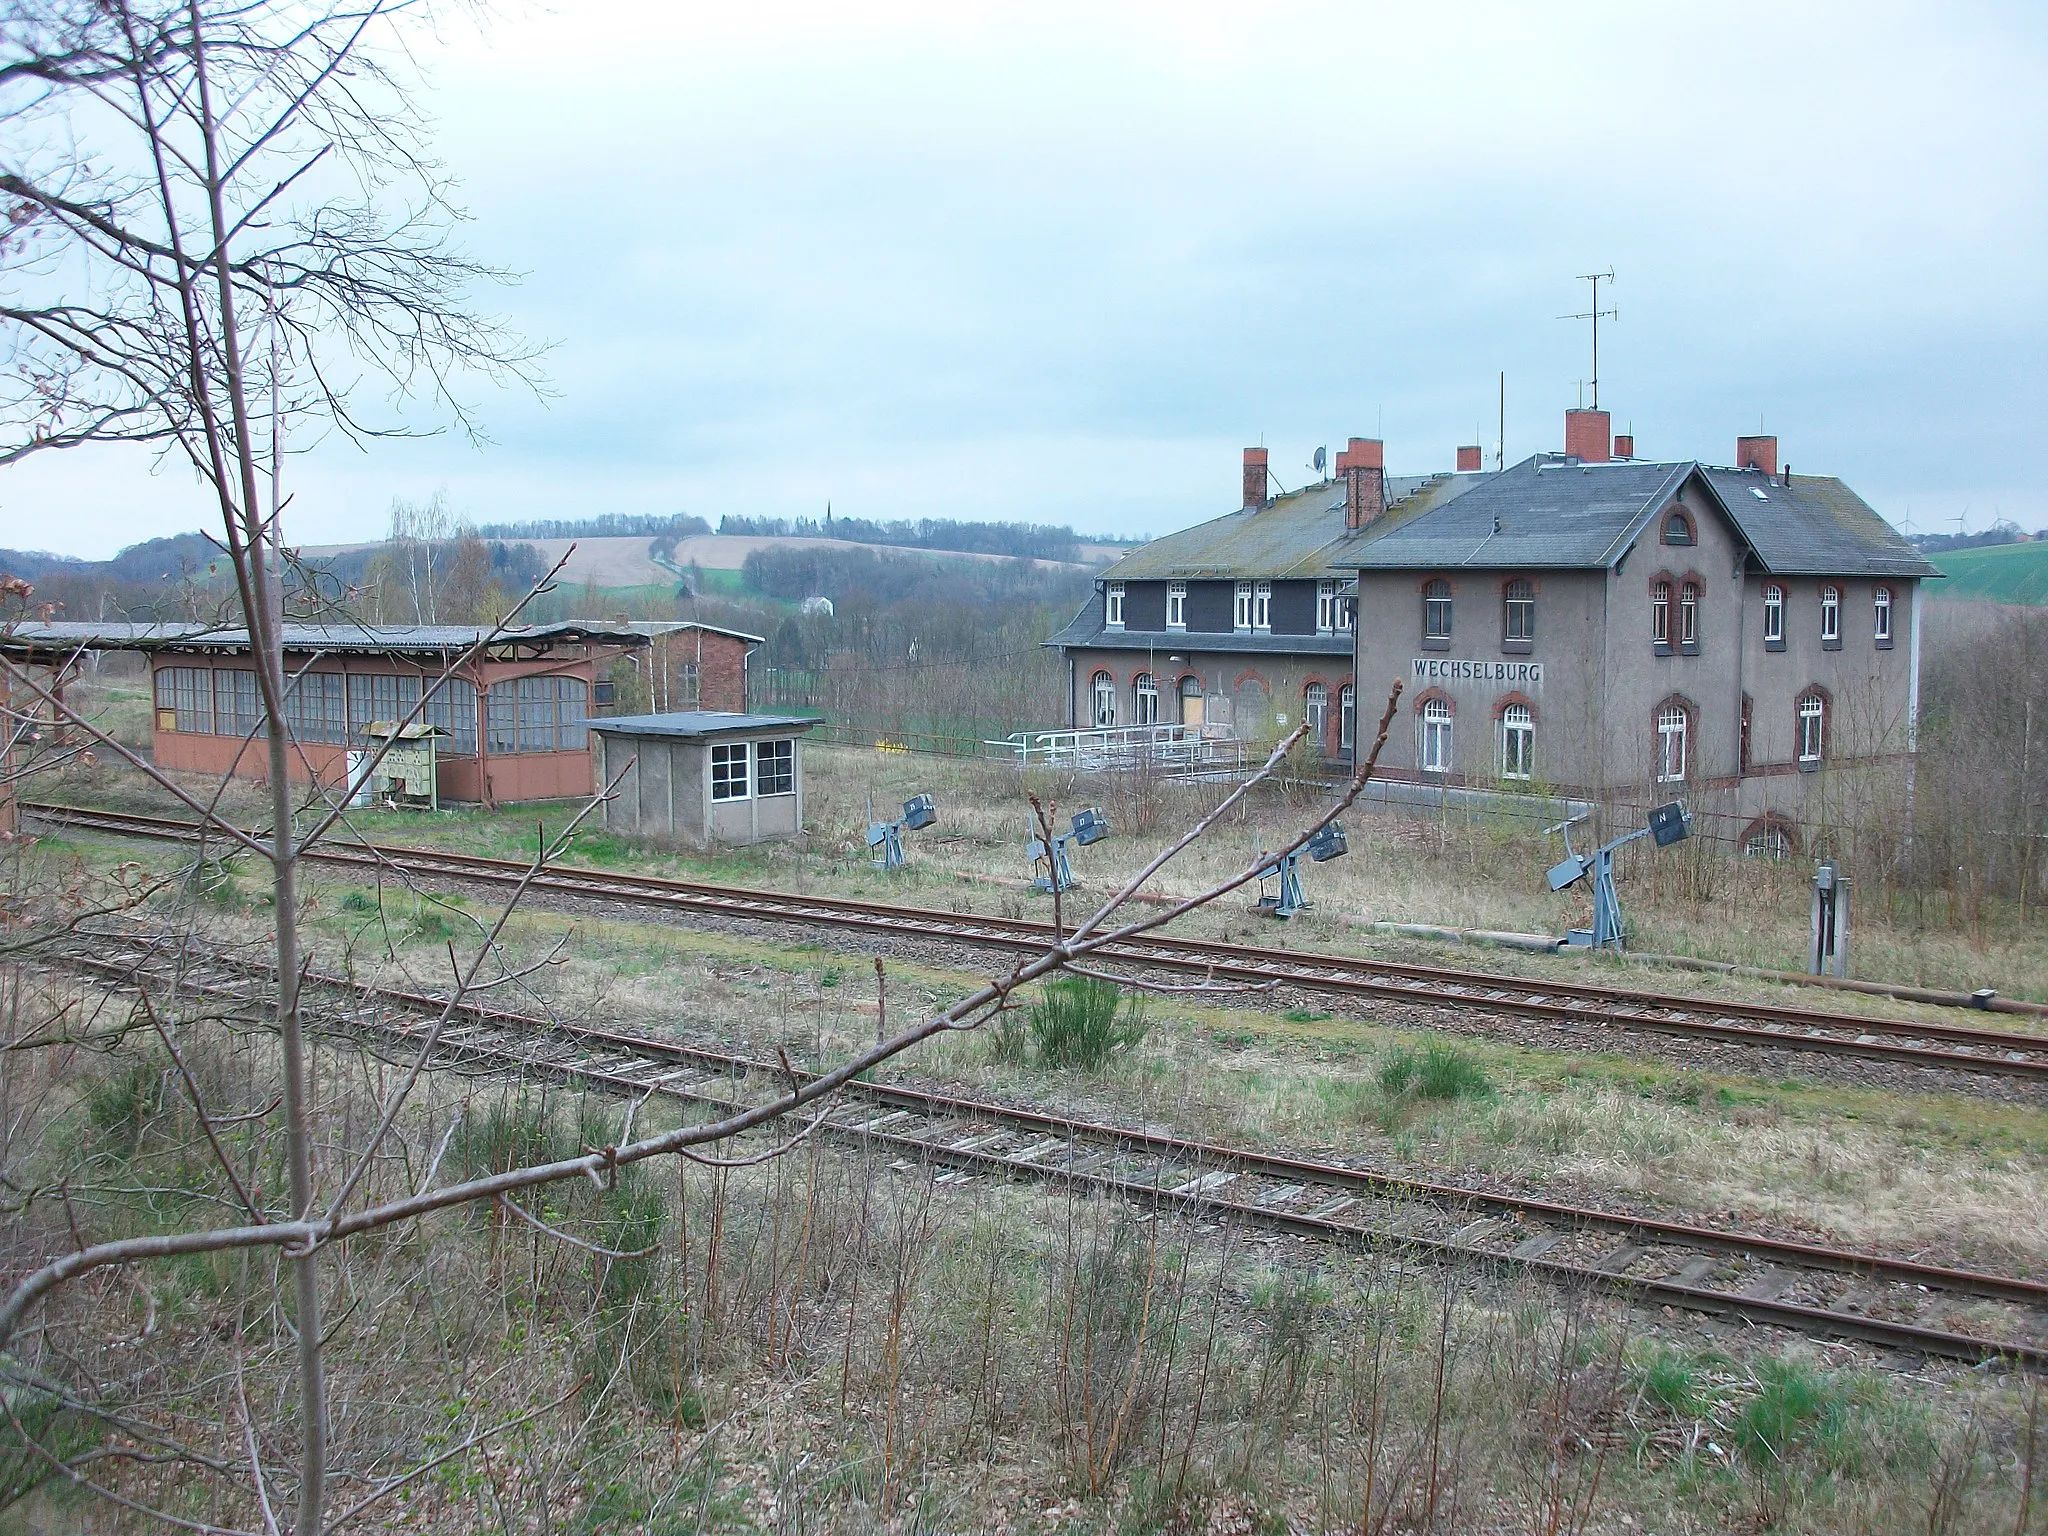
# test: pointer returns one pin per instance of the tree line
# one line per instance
(1031, 541)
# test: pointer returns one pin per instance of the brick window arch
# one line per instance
(1770, 836)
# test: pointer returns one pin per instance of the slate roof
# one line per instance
(1289, 538)
(415, 639)
(697, 722)
(1550, 512)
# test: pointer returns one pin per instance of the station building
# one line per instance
(510, 707)
(1584, 623)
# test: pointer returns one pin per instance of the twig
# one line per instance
(575, 1242)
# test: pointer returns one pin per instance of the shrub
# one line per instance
(1436, 1072)
(121, 1106)
(1084, 1022)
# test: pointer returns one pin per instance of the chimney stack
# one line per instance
(1757, 453)
(1254, 477)
(1624, 445)
(1586, 435)
(1364, 468)
(1470, 459)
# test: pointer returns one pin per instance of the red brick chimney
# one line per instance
(1364, 468)
(1757, 453)
(1255, 477)
(1624, 445)
(1585, 435)
(1470, 459)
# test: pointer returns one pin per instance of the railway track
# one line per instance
(1898, 1042)
(1902, 1304)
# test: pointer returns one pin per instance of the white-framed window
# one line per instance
(1146, 691)
(774, 768)
(1103, 687)
(729, 770)
(1519, 617)
(1436, 610)
(1813, 727)
(1671, 745)
(1176, 605)
(1436, 736)
(1517, 742)
(1774, 615)
(1262, 605)
(1327, 604)
(1689, 614)
(1881, 615)
(1347, 718)
(1241, 617)
(1113, 604)
(1830, 614)
(1768, 842)
(1660, 613)
(1315, 710)
(1346, 608)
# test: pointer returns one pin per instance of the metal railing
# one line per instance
(1175, 747)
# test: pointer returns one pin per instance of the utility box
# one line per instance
(704, 778)
(1828, 953)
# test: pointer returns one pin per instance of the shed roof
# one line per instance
(409, 639)
(657, 627)
(698, 722)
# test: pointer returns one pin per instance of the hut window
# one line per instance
(729, 771)
(774, 768)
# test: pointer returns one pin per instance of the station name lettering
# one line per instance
(1444, 669)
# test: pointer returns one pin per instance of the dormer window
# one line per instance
(1262, 605)
(1113, 604)
(1327, 604)
(1678, 529)
(1242, 617)
(1176, 605)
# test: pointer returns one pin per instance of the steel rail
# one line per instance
(1772, 1026)
(504, 1040)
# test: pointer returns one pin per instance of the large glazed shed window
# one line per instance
(729, 771)
(538, 714)
(775, 768)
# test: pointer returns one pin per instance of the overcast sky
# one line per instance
(1062, 263)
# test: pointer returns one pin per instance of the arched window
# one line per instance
(1673, 726)
(1191, 701)
(1347, 718)
(1689, 616)
(1677, 529)
(1145, 689)
(1519, 618)
(1774, 617)
(1436, 736)
(1105, 701)
(1831, 616)
(1436, 610)
(1881, 619)
(1660, 615)
(1517, 742)
(1315, 710)
(1813, 728)
(1768, 841)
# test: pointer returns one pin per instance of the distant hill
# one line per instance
(153, 560)
(1997, 573)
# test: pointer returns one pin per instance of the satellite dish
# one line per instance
(1322, 457)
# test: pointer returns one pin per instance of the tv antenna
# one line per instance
(1596, 314)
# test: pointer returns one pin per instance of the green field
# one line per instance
(1998, 573)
